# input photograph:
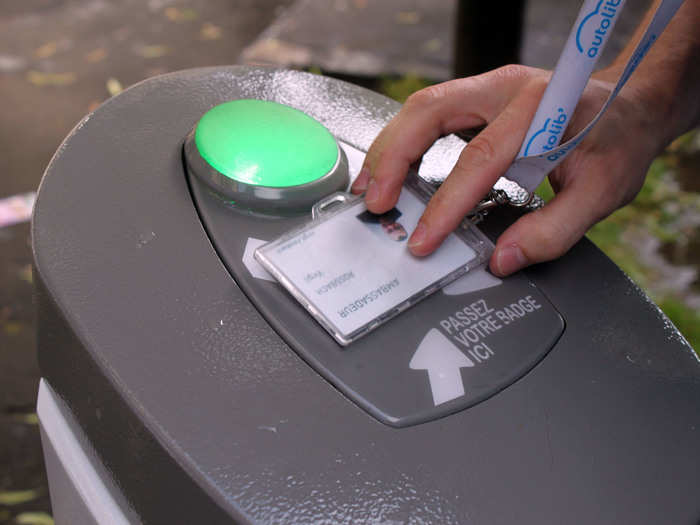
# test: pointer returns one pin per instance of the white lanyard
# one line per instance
(541, 152)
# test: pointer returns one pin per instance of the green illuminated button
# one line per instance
(265, 156)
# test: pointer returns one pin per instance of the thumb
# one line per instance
(549, 232)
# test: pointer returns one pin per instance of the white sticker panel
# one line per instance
(353, 270)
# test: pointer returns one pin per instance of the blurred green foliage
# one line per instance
(660, 210)
(399, 88)
(685, 318)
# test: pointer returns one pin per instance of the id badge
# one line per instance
(352, 270)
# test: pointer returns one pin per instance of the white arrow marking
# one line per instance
(476, 279)
(442, 360)
(254, 267)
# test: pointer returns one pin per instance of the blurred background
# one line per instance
(59, 59)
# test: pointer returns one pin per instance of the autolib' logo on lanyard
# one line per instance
(540, 152)
(594, 27)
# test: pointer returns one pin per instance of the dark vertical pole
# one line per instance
(487, 35)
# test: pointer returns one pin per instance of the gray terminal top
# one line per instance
(211, 398)
(454, 349)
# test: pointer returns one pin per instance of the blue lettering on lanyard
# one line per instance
(552, 128)
(601, 18)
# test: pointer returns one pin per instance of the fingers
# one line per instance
(426, 116)
(551, 231)
(479, 166)
(604, 173)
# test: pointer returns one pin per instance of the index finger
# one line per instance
(480, 165)
(427, 115)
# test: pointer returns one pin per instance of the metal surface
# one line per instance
(203, 414)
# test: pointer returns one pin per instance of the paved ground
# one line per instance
(373, 38)
(59, 59)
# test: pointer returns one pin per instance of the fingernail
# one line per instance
(419, 236)
(510, 259)
(361, 181)
(372, 192)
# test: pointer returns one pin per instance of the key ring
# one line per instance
(500, 197)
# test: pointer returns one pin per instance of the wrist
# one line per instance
(642, 108)
(662, 97)
(665, 86)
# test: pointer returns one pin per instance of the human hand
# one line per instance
(604, 173)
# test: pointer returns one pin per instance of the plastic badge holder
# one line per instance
(352, 270)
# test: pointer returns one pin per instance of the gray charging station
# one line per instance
(182, 385)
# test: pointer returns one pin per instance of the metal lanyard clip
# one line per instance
(500, 197)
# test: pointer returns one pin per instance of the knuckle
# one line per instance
(440, 220)
(463, 85)
(609, 200)
(626, 198)
(513, 72)
(379, 160)
(437, 203)
(551, 240)
(480, 150)
(536, 85)
(610, 189)
(372, 157)
(426, 96)
(630, 189)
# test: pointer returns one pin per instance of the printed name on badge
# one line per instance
(352, 269)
